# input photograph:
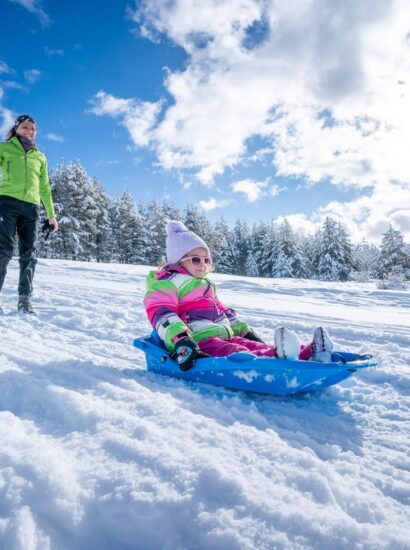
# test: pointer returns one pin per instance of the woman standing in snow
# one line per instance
(183, 308)
(23, 185)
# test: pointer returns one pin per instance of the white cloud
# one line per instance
(314, 58)
(6, 118)
(54, 137)
(32, 75)
(213, 203)
(253, 190)
(323, 84)
(368, 216)
(137, 116)
(34, 6)
(275, 190)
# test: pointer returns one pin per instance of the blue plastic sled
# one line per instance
(246, 372)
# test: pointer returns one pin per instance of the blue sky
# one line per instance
(252, 109)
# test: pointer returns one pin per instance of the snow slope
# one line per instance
(97, 453)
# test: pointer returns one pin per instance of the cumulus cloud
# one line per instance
(35, 7)
(323, 84)
(213, 203)
(137, 116)
(253, 190)
(6, 118)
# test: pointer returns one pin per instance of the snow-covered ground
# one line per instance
(98, 453)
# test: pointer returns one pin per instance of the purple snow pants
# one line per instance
(216, 347)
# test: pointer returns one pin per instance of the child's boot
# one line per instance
(287, 343)
(322, 346)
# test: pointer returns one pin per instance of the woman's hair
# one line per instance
(11, 133)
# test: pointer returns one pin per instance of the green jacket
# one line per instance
(25, 175)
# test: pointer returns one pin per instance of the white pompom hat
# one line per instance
(180, 240)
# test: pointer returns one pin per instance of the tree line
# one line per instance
(96, 227)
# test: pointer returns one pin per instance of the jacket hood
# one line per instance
(165, 270)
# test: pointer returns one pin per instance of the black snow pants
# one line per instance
(20, 216)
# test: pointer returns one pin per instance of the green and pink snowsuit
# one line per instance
(177, 303)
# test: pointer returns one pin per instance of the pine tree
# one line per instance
(77, 212)
(155, 226)
(252, 267)
(257, 250)
(128, 230)
(239, 245)
(269, 239)
(103, 233)
(223, 253)
(393, 257)
(288, 260)
(334, 261)
(366, 260)
(196, 220)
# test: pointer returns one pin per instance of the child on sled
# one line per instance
(182, 306)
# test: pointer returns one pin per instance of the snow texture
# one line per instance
(98, 453)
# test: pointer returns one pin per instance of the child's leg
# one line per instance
(306, 352)
(268, 350)
(216, 347)
(257, 348)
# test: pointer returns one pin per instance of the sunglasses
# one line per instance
(198, 260)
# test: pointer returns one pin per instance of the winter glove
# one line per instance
(186, 351)
(251, 335)
(46, 228)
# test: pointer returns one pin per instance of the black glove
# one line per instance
(47, 228)
(186, 351)
(251, 335)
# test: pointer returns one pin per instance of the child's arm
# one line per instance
(161, 305)
(239, 327)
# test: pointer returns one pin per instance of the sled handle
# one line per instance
(345, 361)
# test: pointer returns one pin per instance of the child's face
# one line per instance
(197, 262)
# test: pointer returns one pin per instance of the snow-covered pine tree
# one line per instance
(252, 267)
(334, 261)
(407, 268)
(269, 245)
(195, 220)
(310, 244)
(347, 253)
(128, 230)
(257, 251)
(223, 253)
(366, 261)
(77, 212)
(155, 226)
(170, 212)
(393, 256)
(288, 260)
(103, 234)
(239, 243)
